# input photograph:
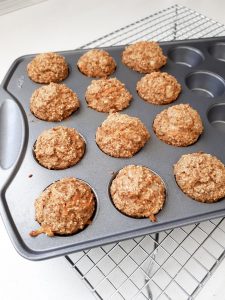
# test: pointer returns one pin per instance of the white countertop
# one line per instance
(62, 25)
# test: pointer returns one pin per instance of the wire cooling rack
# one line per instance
(173, 264)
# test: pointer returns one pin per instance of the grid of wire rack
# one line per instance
(173, 264)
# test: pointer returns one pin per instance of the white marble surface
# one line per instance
(60, 25)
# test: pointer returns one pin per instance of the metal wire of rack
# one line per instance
(174, 264)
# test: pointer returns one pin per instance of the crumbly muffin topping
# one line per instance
(65, 207)
(158, 88)
(48, 67)
(107, 95)
(144, 56)
(53, 102)
(201, 176)
(59, 148)
(121, 135)
(179, 125)
(138, 192)
(96, 63)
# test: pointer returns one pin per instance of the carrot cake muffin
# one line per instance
(96, 63)
(65, 207)
(144, 57)
(138, 192)
(48, 67)
(107, 95)
(158, 88)
(121, 135)
(179, 125)
(201, 176)
(59, 148)
(53, 102)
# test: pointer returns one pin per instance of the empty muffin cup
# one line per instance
(217, 51)
(216, 116)
(205, 84)
(188, 56)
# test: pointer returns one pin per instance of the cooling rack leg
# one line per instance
(175, 24)
(156, 243)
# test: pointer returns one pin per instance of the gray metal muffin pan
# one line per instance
(199, 65)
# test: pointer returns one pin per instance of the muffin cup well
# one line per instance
(187, 56)
(217, 51)
(206, 84)
(216, 116)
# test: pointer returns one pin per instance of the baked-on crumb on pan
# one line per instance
(65, 207)
(138, 192)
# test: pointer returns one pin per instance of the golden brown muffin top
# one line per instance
(121, 135)
(158, 88)
(107, 95)
(59, 148)
(53, 102)
(48, 67)
(201, 176)
(65, 207)
(144, 56)
(179, 125)
(138, 192)
(96, 63)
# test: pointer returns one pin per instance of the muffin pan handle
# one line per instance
(13, 129)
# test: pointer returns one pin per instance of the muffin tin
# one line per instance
(199, 65)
